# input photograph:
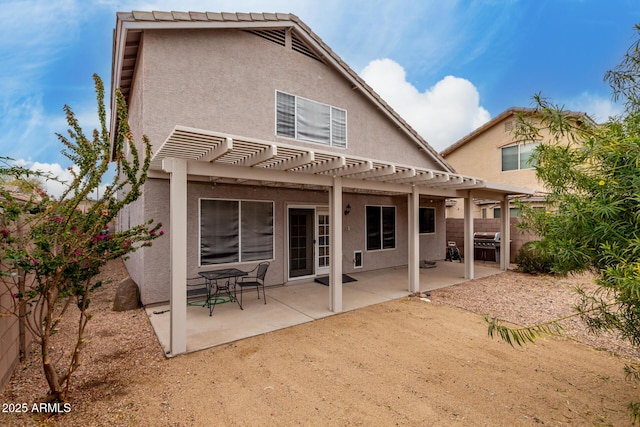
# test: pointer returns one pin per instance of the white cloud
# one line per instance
(442, 114)
(597, 107)
(63, 176)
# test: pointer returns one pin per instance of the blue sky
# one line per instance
(446, 66)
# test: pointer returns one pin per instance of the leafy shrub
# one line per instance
(533, 259)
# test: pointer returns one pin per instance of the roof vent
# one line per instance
(274, 36)
(508, 126)
(299, 46)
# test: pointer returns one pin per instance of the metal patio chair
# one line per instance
(255, 279)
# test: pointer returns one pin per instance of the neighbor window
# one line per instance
(381, 227)
(427, 220)
(235, 231)
(516, 157)
(307, 120)
(513, 212)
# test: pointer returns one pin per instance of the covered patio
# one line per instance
(190, 154)
(297, 303)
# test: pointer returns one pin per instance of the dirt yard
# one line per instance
(405, 362)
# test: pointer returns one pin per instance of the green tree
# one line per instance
(52, 252)
(593, 223)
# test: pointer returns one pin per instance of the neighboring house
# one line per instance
(268, 147)
(493, 152)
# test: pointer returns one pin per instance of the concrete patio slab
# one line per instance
(300, 302)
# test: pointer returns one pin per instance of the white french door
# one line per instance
(322, 241)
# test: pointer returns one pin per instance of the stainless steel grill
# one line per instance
(486, 246)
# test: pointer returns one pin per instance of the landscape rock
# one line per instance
(127, 295)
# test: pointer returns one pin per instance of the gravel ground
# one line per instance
(524, 299)
(126, 380)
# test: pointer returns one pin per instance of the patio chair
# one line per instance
(254, 279)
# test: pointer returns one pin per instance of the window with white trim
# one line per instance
(311, 121)
(518, 156)
(381, 227)
(235, 231)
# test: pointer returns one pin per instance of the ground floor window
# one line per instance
(235, 231)
(427, 221)
(381, 227)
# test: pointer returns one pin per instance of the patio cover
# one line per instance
(190, 153)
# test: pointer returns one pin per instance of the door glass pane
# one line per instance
(301, 228)
(323, 240)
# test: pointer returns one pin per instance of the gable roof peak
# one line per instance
(139, 21)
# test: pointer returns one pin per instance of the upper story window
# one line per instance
(516, 157)
(307, 120)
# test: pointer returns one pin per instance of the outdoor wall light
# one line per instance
(347, 210)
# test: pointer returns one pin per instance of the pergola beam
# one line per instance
(295, 162)
(262, 156)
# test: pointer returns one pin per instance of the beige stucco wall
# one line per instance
(226, 81)
(482, 157)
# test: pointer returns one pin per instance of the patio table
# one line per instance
(220, 284)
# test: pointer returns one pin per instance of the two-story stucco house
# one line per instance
(267, 146)
(494, 153)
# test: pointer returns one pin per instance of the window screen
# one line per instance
(314, 121)
(235, 231)
(518, 156)
(256, 231)
(427, 220)
(381, 227)
(307, 120)
(219, 232)
(339, 127)
(526, 161)
(510, 158)
(286, 112)
(388, 227)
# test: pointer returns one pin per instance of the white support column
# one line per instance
(178, 224)
(414, 240)
(335, 238)
(505, 234)
(468, 237)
